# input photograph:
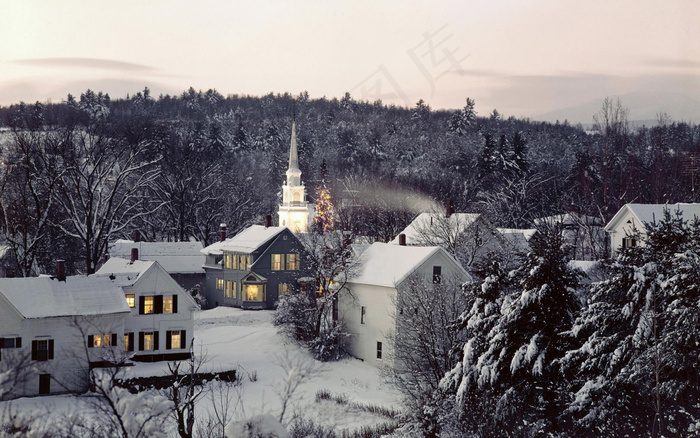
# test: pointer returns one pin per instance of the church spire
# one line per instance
(293, 153)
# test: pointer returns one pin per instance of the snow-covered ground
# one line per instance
(247, 341)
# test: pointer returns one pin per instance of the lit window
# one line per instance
(131, 300)
(106, 340)
(167, 304)
(97, 341)
(282, 289)
(229, 289)
(175, 339)
(292, 262)
(148, 341)
(147, 305)
(362, 315)
(379, 350)
(228, 261)
(277, 261)
(127, 343)
(220, 283)
(254, 292)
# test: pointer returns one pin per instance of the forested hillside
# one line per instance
(88, 170)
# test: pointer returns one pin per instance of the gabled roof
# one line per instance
(458, 223)
(384, 264)
(246, 241)
(128, 271)
(647, 213)
(46, 297)
(174, 257)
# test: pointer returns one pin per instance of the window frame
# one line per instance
(277, 262)
(292, 262)
(131, 300)
(437, 274)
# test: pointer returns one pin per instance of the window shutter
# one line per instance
(142, 305)
(18, 343)
(183, 342)
(50, 349)
(91, 341)
(168, 339)
(158, 304)
(131, 341)
(175, 302)
(155, 338)
(2, 342)
(35, 355)
(140, 341)
(114, 339)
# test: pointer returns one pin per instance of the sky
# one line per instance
(525, 58)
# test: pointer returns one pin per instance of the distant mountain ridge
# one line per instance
(643, 108)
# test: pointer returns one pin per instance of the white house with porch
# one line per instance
(631, 219)
(367, 303)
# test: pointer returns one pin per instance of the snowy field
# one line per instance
(247, 341)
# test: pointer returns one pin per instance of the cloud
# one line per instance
(678, 64)
(105, 64)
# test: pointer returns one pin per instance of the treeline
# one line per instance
(82, 172)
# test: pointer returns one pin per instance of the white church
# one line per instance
(296, 212)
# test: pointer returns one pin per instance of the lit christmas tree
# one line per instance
(325, 214)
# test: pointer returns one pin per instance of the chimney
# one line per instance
(268, 221)
(61, 270)
(134, 254)
(402, 239)
(137, 236)
(222, 232)
(450, 208)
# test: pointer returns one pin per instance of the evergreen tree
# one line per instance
(635, 371)
(510, 361)
(325, 214)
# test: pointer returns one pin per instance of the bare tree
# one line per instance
(28, 184)
(99, 191)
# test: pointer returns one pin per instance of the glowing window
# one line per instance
(230, 289)
(148, 341)
(282, 289)
(176, 339)
(292, 262)
(254, 292)
(277, 261)
(228, 261)
(147, 305)
(131, 300)
(97, 341)
(167, 304)
(220, 283)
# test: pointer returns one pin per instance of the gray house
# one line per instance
(254, 268)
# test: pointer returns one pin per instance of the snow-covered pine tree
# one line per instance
(510, 362)
(635, 371)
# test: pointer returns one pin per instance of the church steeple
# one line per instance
(295, 210)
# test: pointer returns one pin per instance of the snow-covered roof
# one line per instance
(518, 238)
(568, 219)
(174, 257)
(384, 264)
(125, 268)
(424, 221)
(45, 297)
(246, 241)
(647, 213)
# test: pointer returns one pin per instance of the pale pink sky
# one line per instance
(522, 57)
